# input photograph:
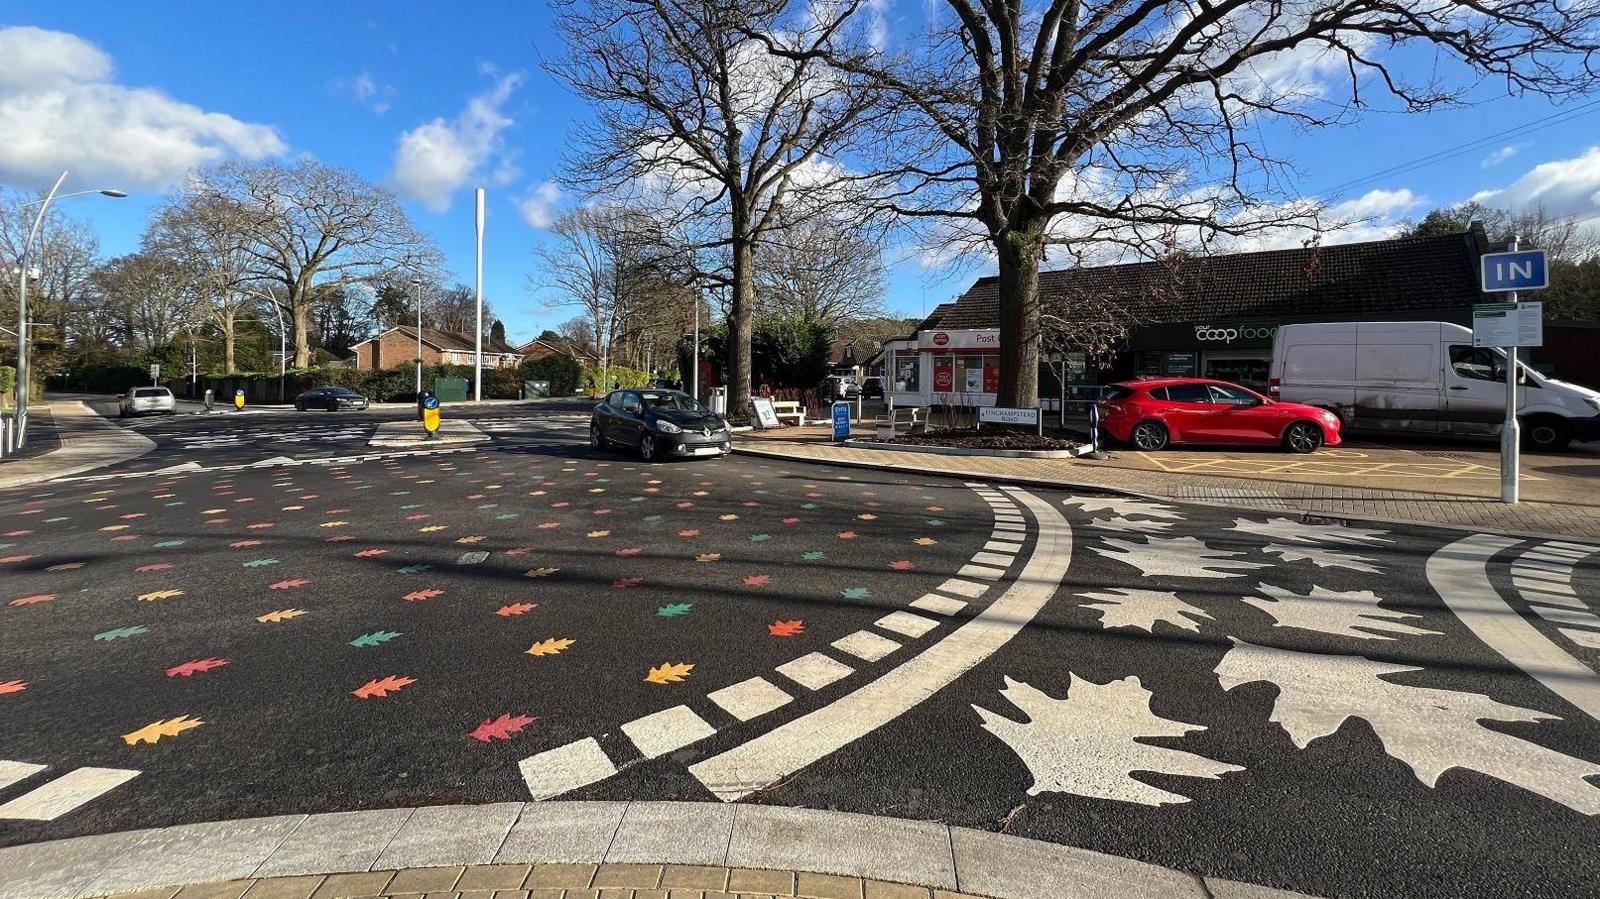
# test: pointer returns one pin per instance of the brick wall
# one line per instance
(394, 350)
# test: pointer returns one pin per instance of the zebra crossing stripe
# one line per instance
(65, 793)
(14, 772)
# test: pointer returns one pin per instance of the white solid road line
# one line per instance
(775, 755)
(65, 793)
(1459, 573)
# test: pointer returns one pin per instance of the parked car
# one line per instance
(146, 400)
(840, 387)
(1153, 414)
(330, 398)
(1423, 378)
(660, 424)
(872, 388)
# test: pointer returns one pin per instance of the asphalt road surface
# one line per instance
(295, 621)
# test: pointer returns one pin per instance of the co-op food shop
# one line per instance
(1211, 317)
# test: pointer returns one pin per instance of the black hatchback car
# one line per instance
(330, 398)
(660, 424)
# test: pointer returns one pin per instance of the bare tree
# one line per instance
(1135, 122)
(690, 106)
(207, 236)
(822, 268)
(152, 297)
(66, 253)
(310, 224)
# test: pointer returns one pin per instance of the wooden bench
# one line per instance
(783, 409)
(912, 419)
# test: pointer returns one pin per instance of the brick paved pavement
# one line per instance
(1446, 502)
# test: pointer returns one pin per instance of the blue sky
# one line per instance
(407, 93)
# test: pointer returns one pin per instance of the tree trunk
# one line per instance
(300, 307)
(1018, 282)
(227, 342)
(739, 321)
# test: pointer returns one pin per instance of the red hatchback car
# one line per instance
(1152, 414)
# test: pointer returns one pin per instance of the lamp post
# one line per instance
(22, 297)
(416, 288)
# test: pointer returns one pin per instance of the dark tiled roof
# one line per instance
(565, 347)
(1379, 277)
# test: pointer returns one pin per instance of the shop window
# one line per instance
(907, 370)
(972, 373)
(1149, 363)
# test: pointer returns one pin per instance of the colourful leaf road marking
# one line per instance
(122, 633)
(516, 608)
(262, 563)
(790, 628)
(757, 580)
(599, 534)
(33, 600)
(669, 673)
(289, 584)
(155, 730)
(501, 728)
(925, 541)
(847, 535)
(855, 593)
(473, 539)
(519, 551)
(691, 532)
(12, 686)
(813, 555)
(159, 566)
(674, 609)
(902, 565)
(66, 566)
(412, 569)
(371, 553)
(160, 594)
(760, 538)
(383, 686)
(196, 666)
(280, 616)
(376, 638)
(421, 595)
(241, 544)
(630, 552)
(708, 557)
(540, 572)
(550, 647)
(431, 528)
(624, 583)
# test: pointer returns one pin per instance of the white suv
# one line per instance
(140, 400)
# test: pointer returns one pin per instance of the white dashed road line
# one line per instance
(57, 797)
(780, 752)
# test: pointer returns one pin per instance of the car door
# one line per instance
(1475, 390)
(1189, 415)
(605, 416)
(630, 423)
(1242, 416)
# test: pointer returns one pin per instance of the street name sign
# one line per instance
(1516, 270)
(1003, 415)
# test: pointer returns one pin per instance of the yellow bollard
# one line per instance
(430, 416)
(238, 399)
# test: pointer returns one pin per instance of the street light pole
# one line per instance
(416, 288)
(283, 348)
(21, 420)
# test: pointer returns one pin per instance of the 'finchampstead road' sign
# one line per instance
(1517, 270)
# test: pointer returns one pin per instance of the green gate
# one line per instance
(450, 390)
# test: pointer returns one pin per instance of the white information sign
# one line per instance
(1508, 324)
(766, 416)
(1002, 415)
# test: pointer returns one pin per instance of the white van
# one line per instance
(1423, 378)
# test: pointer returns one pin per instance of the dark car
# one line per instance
(872, 388)
(330, 398)
(660, 424)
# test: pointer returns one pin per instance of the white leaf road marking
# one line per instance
(1142, 609)
(1176, 557)
(1087, 743)
(1323, 557)
(1127, 508)
(1353, 613)
(1430, 730)
(1295, 531)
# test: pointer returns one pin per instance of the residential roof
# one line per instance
(1376, 277)
(449, 341)
(565, 347)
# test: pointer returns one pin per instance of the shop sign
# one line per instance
(991, 379)
(985, 339)
(1181, 364)
(1229, 334)
(944, 377)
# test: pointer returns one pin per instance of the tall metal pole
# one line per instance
(283, 348)
(1510, 432)
(477, 378)
(21, 419)
(416, 288)
(694, 355)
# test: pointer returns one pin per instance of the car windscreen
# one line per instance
(671, 402)
(152, 391)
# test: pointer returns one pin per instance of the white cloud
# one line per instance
(1560, 187)
(538, 206)
(59, 109)
(1500, 155)
(369, 92)
(437, 158)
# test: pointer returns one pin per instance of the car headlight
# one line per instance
(667, 427)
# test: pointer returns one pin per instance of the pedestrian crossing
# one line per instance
(55, 796)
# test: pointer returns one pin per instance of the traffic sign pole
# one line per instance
(1510, 432)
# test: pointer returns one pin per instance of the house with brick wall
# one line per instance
(397, 347)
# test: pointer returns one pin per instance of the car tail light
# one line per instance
(1273, 385)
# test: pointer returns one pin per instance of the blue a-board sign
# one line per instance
(841, 421)
(1519, 270)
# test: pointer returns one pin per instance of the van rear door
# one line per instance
(1398, 373)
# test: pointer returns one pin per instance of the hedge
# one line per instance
(394, 385)
(614, 376)
(563, 372)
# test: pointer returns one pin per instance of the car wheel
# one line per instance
(333, 405)
(596, 439)
(299, 407)
(1302, 437)
(1149, 435)
(647, 448)
(1546, 434)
